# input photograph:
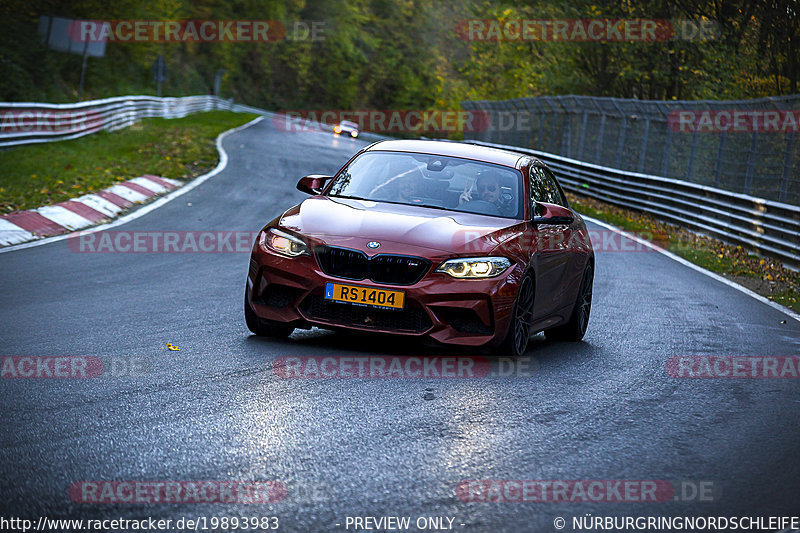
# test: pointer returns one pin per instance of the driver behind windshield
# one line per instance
(486, 188)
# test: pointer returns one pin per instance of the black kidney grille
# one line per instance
(384, 268)
(342, 262)
(397, 269)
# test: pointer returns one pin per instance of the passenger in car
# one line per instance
(407, 189)
(402, 189)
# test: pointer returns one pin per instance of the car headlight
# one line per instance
(337, 129)
(354, 134)
(283, 243)
(475, 267)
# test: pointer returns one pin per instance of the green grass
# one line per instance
(788, 298)
(48, 173)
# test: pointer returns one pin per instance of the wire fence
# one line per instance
(745, 146)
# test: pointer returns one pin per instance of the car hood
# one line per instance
(398, 228)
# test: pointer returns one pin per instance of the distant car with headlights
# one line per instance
(346, 127)
(463, 244)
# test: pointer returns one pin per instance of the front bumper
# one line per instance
(448, 310)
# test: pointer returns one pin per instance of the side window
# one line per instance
(558, 193)
(537, 185)
(544, 187)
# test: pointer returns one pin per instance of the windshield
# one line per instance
(432, 181)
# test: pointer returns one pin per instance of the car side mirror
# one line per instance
(544, 213)
(312, 184)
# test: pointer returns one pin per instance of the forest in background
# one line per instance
(407, 54)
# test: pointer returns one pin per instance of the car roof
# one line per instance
(454, 149)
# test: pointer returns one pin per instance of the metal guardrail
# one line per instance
(771, 228)
(29, 122)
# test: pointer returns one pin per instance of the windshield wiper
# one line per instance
(350, 197)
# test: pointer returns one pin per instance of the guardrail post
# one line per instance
(665, 158)
(621, 144)
(553, 146)
(582, 137)
(541, 127)
(692, 154)
(751, 163)
(508, 110)
(531, 132)
(600, 139)
(718, 164)
(787, 160)
(523, 137)
(494, 120)
(643, 149)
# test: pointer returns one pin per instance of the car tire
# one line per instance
(519, 331)
(575, 329)
(261, 327)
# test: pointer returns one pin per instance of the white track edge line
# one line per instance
(223, 162)
(698, 268)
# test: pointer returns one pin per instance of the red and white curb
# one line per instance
(81, 212)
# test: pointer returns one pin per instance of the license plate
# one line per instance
(367, 296)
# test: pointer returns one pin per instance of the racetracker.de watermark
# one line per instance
(383, 120)
(734, 121)
(162, 242)
(196, 31)
(733, 367)
(402, 367)
(130, 492)
(602, 240)
(586, 490)
(19, 120)
(71, 367)
(586, 30)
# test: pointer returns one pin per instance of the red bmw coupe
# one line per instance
(464, 244)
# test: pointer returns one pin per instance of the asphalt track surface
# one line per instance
(602, 409)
